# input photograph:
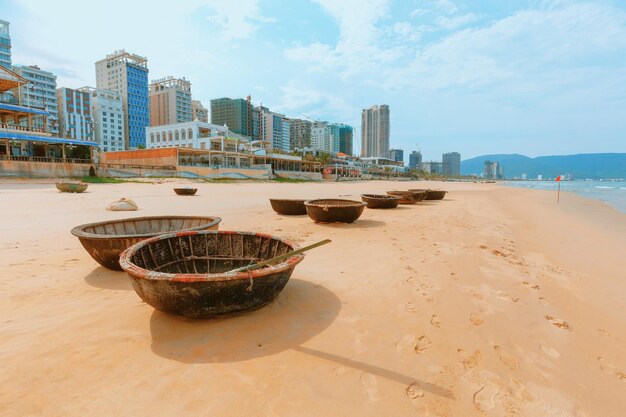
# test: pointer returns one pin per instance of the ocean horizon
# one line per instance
(611, 192)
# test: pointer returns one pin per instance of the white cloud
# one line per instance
(454, 22)
(238, 19)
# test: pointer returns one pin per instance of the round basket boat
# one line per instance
(334, 210)
(71, 186)
(436, 194)
(185, 191)
(406, 197)
(289, 207)
(419, 194)
(376, 201)
(105, 241)
(191, 273)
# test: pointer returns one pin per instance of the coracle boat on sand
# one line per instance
(105, 241)
(71, 186)
(406, 197)
(185, 191)
(334, 210)
(191, 273)
(419, 194)
(289, 207)
(375, 201)
(436, 194)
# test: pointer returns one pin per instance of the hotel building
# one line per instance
(75, 121)
(107, 110)
(375, 131)
(170, 101)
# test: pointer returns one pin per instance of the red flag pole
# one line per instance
(558, 193)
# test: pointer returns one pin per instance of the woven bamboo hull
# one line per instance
(436, 195)
(71, 187)
(334, 210)
(185, 191)
(288, 206)
(187, 273)
(406, 197)
(419, 195)
(105, 241)
(379, 201)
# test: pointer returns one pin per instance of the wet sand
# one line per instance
(493, 302)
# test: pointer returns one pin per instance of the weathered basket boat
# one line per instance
(185, 191)
(71, 186)
(436, 194)
(375, 201)
(406, 197)
(105, 241)
(290, 207)
(334, 210)
(191, 273)
(419, 194)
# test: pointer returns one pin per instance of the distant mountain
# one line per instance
(580, 166)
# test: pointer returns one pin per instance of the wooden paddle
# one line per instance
(279, 258)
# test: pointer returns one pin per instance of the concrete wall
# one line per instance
(148, 157)
(295, 175)
(24, 169)
(187, 172)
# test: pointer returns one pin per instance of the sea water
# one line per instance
(610, 192)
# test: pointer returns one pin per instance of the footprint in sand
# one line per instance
(604, 333)
(370, 385)
(544, 301)
(609, 368)
(533, 286)
(476, 319)
(435, 321)
(422, 344)
(472, 361)
(508, 360)
(561, 324)
(553, 353)
(407, 340)
(414, 391)
(409, 307)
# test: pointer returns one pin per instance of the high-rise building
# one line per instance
(451, 164)
(5, 45)
(300, 133)
(127, 74)
(234, 113)
(321, 137)
(335, 134)
(415, 160)
(75, 121)
(346, 133)
(396, 155)
(107, 111)
(170, 101)
(199, 112)
(41, 93)
(375, 131)
(493, 170)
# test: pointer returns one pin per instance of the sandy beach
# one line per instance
(493, 302)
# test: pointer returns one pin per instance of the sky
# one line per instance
(538, 77)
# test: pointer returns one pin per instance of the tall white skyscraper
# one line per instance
(375, 131)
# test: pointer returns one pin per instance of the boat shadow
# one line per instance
(108, 279)
(359, 224)
(378, 371)
(301, 311)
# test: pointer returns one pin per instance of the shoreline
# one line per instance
(493, 301)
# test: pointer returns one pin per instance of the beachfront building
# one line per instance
(375, 131)
(40, 93)
(433, 168)
(321, 137)
(415, 160)
(299, 133)
(396, 155)
(5, 45)
(273, 128)
(170, 101)
(451, 164)
(346, 134)
(127, 74)
(107, 112)
(75, 120)
(199, 112)
(234, 113)
(27, 148)
(194, 135)
(493, 170)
